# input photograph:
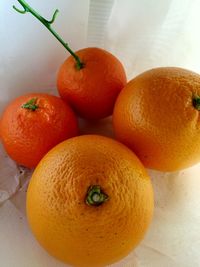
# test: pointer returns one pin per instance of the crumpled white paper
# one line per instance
(143, 34)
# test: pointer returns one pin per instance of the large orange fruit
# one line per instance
(34, 123)
(92, 89)
(157, 116)
(89, 201)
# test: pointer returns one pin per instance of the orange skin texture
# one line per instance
(92, 90)
(75, 232)
(154, 116)
(28, 135)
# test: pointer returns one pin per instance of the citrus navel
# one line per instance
(157, 116)
(89, 201)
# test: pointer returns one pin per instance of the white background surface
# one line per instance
(143, 34)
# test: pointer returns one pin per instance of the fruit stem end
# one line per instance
(196, 102)
(95, 196)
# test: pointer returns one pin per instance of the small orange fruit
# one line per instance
(89, 201)
(34, 123)
(157, 116)
(92, 89)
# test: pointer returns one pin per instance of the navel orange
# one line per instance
(89, 201)
(157, 116)
(34, 123)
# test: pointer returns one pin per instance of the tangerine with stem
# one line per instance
(90, 79)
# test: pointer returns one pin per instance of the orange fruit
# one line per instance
(93, 89)
(34, 123)
(89, 201)
(157, 116)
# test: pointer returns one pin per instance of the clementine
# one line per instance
(89, 201)
(34, 123)
(157, 116)
(91, 90)
(90, 79)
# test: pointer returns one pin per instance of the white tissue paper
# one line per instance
(142, 34)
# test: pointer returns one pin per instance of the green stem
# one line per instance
(95, 196)
(196, 102)
(47, 24)
(31, 104)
